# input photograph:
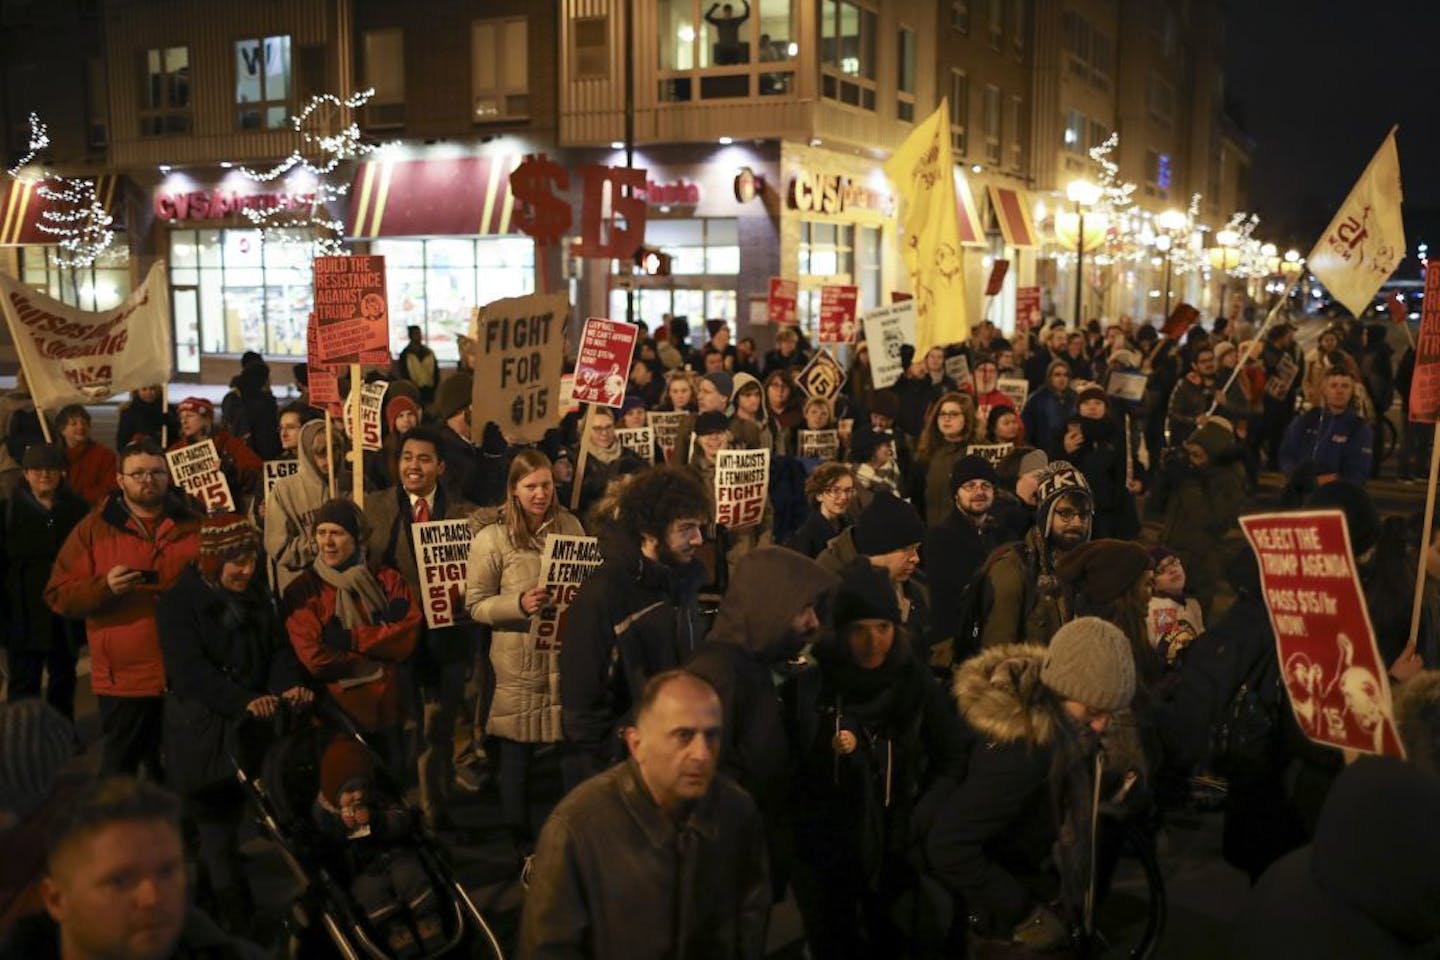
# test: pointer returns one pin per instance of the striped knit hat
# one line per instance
(225, 536)
(35, 743)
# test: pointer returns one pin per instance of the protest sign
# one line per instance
(1181, 318)
(994, 452)
(278, 470)
(74, 356)
(1126, 385)
(996, 282)
(742, 482)
(519, 351)
(352, 316)
(887, 329)
(1425, 387)
(564, 565)
(323, 380)
(567, 395)
(372, 397)
(1337, 684)
(822, 376)
(666, 425)
(1027, 308)
(837, 313)
(639, 439)
(957, 368)
(442, 549)
(819, 444)
(602, 365)
(1278, 385)
(1016, 388)
(196, 470)
(781, 302)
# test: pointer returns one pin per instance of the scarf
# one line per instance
(357, 593)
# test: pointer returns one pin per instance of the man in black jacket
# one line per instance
(957, 546)
(635, 616)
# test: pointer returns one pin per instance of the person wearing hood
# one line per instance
(293, 500)
(1333, 437)
(1096, 445)
(1048, 408)
(1198, 491)
(750, 412)
(874, 736)
(143, 415)
(1366, 886)
(957, 547)
(830, 489)
(950, 427)
(634, 617)
(1017, 478)
(782, 411)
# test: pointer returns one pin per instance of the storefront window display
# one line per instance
(96, 286)
(254, 288)
(837, 253)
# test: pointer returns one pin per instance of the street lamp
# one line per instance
(1083, 194)
(1173, 223)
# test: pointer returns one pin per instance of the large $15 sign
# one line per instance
(543, 215)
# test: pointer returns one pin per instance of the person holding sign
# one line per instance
(503, 590)
(293, 501)
(241, 466)
(712, 434)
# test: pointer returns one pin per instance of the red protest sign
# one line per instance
(997, 277)
(1425, 387)
(1334, 677)
(603, 364)
(900, 296)
(1027, 308)
(780, 304)
(351, 312)
(1180, 320)
(837, 313)
(324, 384)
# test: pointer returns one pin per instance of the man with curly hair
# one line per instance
(636, 616)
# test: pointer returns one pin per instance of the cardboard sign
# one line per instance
(837, 313)
(819, 444)
(565, 563)
(639, 439)
(196, 470)
(352, 316)
(442, 549)
(1016, 388)
(1338, 686)
(742, 484)
(602, 366)
(1425, 387)
(1126, 385)
(1277, 386)
(666, 425)
(781, 303)
(276, 470)
(997, 277)
(887, 329)
(1027, 308)
(372, 399)
(994, 452)
(957, 368)
(822, 376)
(519, 351)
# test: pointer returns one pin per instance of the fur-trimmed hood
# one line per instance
(1001, 697)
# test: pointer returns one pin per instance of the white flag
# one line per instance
(1366, 241)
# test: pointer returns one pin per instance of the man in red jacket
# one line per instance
(110, 571)
(241, 465)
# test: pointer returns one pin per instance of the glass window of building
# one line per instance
(992, 124)
(959, 111)
(500, 70)
(1015, 160)
(905, 81)
(590, 48)
(847, 52)
(725, 49)
(697, 246)
(960, 15)
(263, 86)
(1074, 137)
(1160, 100)
(826, 249)
(101, 285)
(996, 23)
(252, 287)
(695, 305)
(1017, 25)
(165, 107)
(384, 65)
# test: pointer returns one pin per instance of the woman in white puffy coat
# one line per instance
(503, 589)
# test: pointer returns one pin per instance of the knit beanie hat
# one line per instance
(397, 406)
(711, 422)
(865, 594)
(42, 456)
(864, 443)
(454, 394)
(342, 513)
(225, 536)
(1091, 393)
(886, 403)
(1360, 515)
(1089, 661)
(1032, 461)
(35, 744)
(196, 405)
(1159, 555)
(1058, 479)
(721, 381)
(1104, 570)
(971, 467)
(345, 763)
(632, 402)
(887, 525)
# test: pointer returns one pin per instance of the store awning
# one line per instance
(1012, 213)
(972, 234)
(456, 196)
(23, 207)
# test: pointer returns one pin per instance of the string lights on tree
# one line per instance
(73, 214)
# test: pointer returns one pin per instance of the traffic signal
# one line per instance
(653, 262)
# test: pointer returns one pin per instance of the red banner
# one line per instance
(1425, 386)
(602, 365)
(997, 277)
(324, 384)
(837, 313)
(351, 312)
(1027, 308)
(1338, 686)
(1180, 320)
(781, 302)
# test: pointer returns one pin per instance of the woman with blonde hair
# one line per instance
(950, 427)
(503, 590)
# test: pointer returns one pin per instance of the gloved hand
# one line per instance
(394, 611)
(336, 637)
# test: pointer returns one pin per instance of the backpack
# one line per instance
(973, 608)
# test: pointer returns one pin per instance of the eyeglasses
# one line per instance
(140, 476)
(841, 491)
(951, 414)
(1070, 514)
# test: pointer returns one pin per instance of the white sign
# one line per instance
(1016, 388)
(196, 470)
(565, 564)
(372, 398)
(957, 368)
(994, 452)
(742, 485)
(887, 329)
(442, 548)
(666, 425)
(278, 470)
(821, 444)
(639, 439)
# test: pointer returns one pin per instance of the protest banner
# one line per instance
(822, 376)
(887, 329)
(74, 356)
(567, 395)
(1016, 388)
(1425, 387)
(957, 368)
(372, 398)
(994, 452)
(196, 470)
(602, 365)
(1027, 308)
(442, 549)
(1181, 319)
(565, 563)
(837, 313)
(323, 380)
(639, 439)
(1277, 386)
(996, 281)
(819, 444)
(782, 301)
(276, 470)
(1365, 241)
(352, 316)
(1337, 684)
(666, 425)
(1126, 385)
(742, 483)
(519, 352)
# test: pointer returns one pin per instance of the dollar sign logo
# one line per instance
(539, 212)
(517, 410)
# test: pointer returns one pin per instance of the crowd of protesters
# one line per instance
(992, 639)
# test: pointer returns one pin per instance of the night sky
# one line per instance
(1317, 84)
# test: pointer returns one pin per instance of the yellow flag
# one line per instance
(1366, 241)
(923, 173)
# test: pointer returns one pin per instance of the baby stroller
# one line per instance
(324, 913)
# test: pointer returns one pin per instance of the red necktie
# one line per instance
(422, 511)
